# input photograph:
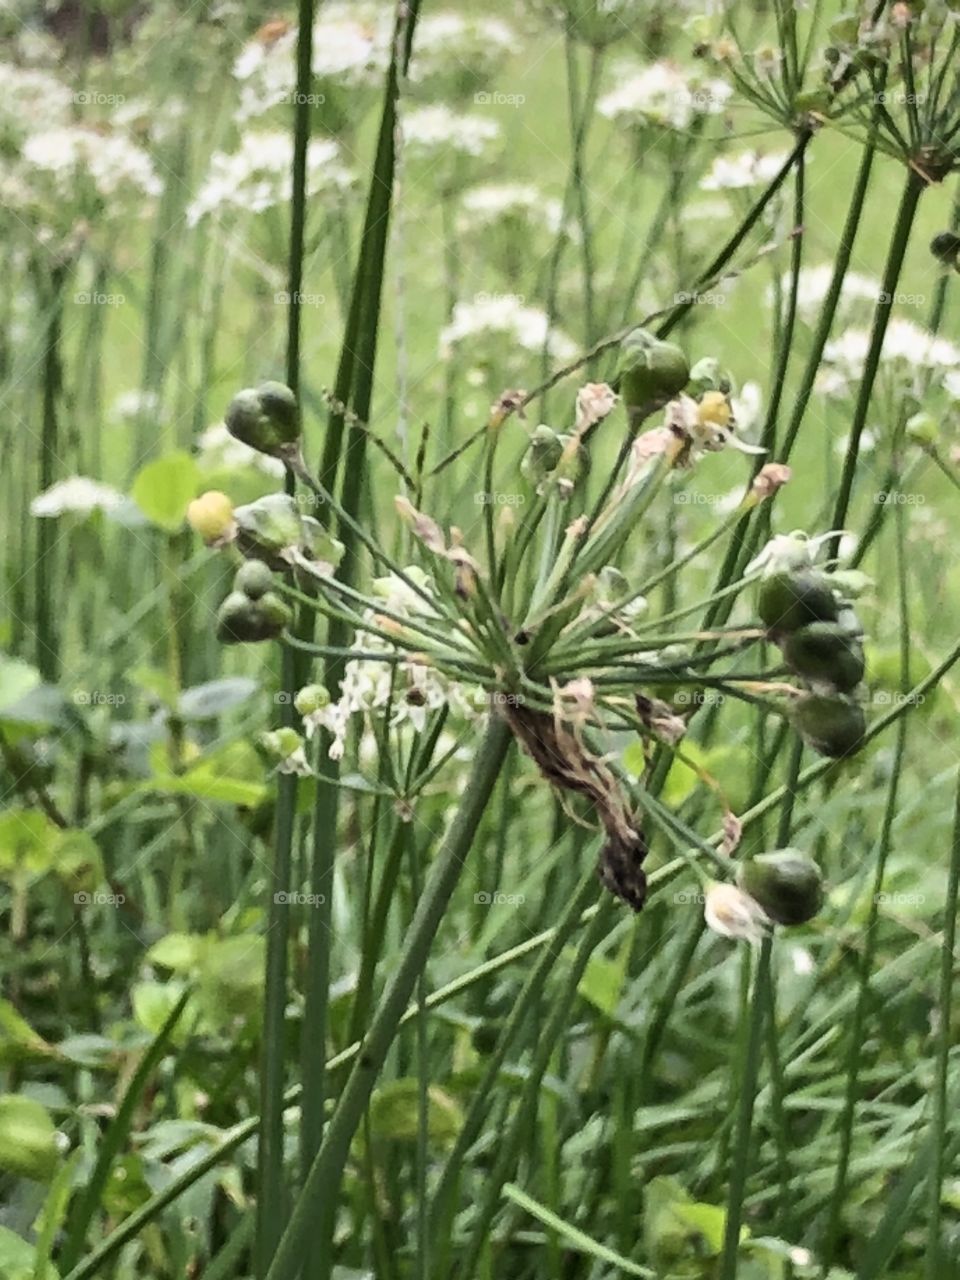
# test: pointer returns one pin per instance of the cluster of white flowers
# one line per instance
(258, 175)
(505, 315)
(906, 345)
(437, 128)
(129, 406)
(31, 99)
(369, 684)
(494, 202)
(664, 95)
(461, 42)
(110, 161)
(78, 494)
(748, 169)
(814, 283)
(351, 50)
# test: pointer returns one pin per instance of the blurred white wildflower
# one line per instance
(951, 383)
(79, 495)
(794, 550)
(505, 315)
(747, 403)
(482, 206)
(814, 282)
(594, 401)
(732, 913)
(459, 51)
(258, 176)
(110, 161)
(218, 448)
(749, 169)
(436, 127)
(129, 406)
(662, 94)
(31, 99)
(351, 50)
(905, 344)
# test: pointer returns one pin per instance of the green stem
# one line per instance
(315, 1208)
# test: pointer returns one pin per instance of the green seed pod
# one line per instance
(945, 246)
(28, 1140)
(311, 698)
(271, 524)
(318, 544)
(253, 578)
(833, 725)
(789, 599)
(651, 372)
(542, 455)
(241, 620)
(786, 883)
(923, 429)
(825, 653)
(278, 744)
(266, 418)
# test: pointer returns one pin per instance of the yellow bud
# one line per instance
(211, 515)
(714, 409)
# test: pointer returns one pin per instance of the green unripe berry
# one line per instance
(790, 598)
(652, 372)
(825, 653)
(266, 418)
(241, 620)
(833, 725)
(311, 698)
(786, 883)
(254, 579)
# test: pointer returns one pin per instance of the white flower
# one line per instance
(32, 99)
(351, 50)
(802, 961)
(485, 205)
(78, 494)
(746, 405)
(732, 913)
(788, 551)
(438, 128)
(131, 405)
(814, 283)
(112, 162)
(749, 169)
(454, 43)
(505, 315)
(905, 344)
(258, 176)
(662, 94)
(594, 401)
(951, 382)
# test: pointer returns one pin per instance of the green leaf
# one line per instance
(602, 984)
(18, 1259)
(17, 1038)
(153, 1003)
(27, 840)
(216, 697)
(28, 1141)
(164, 488)
(395, 1113)
(51, 1216)
(177, 951)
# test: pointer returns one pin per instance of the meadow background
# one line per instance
(574, 1090)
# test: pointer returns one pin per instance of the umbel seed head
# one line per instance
(266, 418)
(786, 883)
